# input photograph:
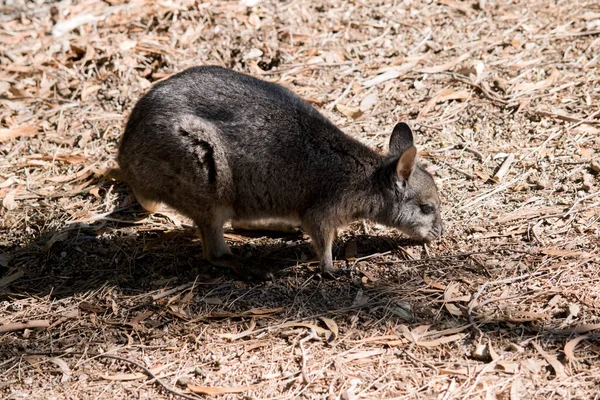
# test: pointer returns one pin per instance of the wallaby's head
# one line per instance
(411, 202)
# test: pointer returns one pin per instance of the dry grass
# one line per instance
(505, 99)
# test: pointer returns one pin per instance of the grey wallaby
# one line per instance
(219, 145)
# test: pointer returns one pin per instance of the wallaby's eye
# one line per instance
(427, 208)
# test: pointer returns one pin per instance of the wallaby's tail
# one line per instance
(117, 175)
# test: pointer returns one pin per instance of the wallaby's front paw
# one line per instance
(243, 268)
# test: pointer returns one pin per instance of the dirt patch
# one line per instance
(99, 299)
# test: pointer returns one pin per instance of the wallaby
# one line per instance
(219, 145)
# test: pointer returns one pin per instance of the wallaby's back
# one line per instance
(240, 140)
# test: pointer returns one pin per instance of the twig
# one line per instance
(499, 175)
(498, 189)
(589, 196)
(174, 290)
(151, 376)
(17, 326)
(473, 301)
(341, 96)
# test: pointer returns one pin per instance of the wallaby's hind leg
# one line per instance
(210, 227)
(216, 250)
(322, 240)
(148, 205)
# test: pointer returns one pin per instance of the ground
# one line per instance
(99, 299)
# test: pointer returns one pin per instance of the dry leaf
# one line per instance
(585, 152)
(57, 237)
(218, 390)
(89, 91)
(442, 340)
(64, 368)
(585, 328)
(362, 355)
(433, 283)
(509, 367)
(571, 344)
(236, 336)
(444, 95)
(16, 131)
(563, 253)
(265, 311)
(320, 331)
(350, 112)
(534, 366)
(446, 66)
(388, 75)
(559, 369)
(448, 298)
(331, 325)
(368, 102)
(551, 80)
(134, 376)
(7, 280)
(9, 202)
(516, 389)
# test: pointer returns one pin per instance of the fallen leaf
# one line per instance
(9, 202)
(538, 85)
(516, 389)
(442, 340)
(265, 311)
(331, 325)
(368, 102)
(218, 390)
(433, 283)
(134, 376)
(571, 344)
(585, 328)
(563, 253)
(89, 91)
(57, 237)
(91, 308)
(350, 112)
(509, 367)
(389, 75)
(442, 96)
(362, 355)
(559, 369)
(448, 298)
(64, 368)
(7, 280)
(320, 331)
(533, 366)
(446, 66)
(236, 336)
(14, 132)
(586, 152)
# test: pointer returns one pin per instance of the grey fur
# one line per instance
(217, 145)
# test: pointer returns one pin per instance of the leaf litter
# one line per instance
(518, 264)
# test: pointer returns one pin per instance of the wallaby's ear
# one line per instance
(401, 139)
(406, 163)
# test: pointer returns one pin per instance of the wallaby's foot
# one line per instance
(245, 269)
(328, 270)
